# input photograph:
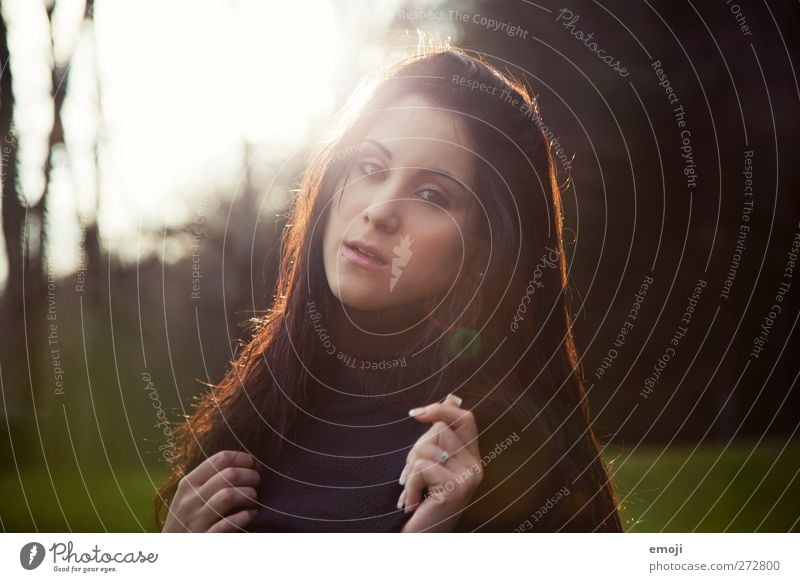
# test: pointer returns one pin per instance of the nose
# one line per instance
(382, 217)
(384, 213)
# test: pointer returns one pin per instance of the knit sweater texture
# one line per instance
(340, 471)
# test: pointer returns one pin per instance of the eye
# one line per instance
(372, 170)
(434, 196)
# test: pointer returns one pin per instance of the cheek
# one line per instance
(440, 254)
(341, 218)
(330, 245)
(335, 224)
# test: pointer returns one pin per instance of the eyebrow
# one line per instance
(434, 171)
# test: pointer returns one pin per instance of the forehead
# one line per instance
(419, 133)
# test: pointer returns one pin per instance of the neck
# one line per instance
(383, 333)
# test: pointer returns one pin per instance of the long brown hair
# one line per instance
(501, 336)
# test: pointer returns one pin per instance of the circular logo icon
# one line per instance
(31, 555)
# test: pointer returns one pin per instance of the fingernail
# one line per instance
(416, 411)
(402, 479)
(400, 500)
(458, 400)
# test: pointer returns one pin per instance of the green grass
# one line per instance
(103, 504)
(659, 494)
(710, 490)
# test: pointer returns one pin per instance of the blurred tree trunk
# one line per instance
(12, 349)
(92, 291)
(25, 356)
(92, 243)
(37, 288)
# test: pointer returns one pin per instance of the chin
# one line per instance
(362, 299)
(356, 292)
(359, 295)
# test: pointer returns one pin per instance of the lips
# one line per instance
(364, 254)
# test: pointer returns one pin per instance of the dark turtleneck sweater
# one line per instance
(340, 473)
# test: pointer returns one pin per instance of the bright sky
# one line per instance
(183, 84)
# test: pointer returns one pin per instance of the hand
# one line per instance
(217, 496)
(451, 483)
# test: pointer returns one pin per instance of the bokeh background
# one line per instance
(150, 146)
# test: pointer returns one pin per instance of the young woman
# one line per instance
(423, 269)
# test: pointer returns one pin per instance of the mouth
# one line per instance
(363, 255)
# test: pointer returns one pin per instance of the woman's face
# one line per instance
(398, 220)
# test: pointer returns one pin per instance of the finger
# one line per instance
(229, 477)
(427, 474)
(433, 453)
(439, 434)
(443, 437)
(453, 399)
(410, 456)
(401, 501)
(225, 501)
(233, 523)
(460, 420)
(216, 463)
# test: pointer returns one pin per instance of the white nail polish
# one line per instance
(458, 399)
